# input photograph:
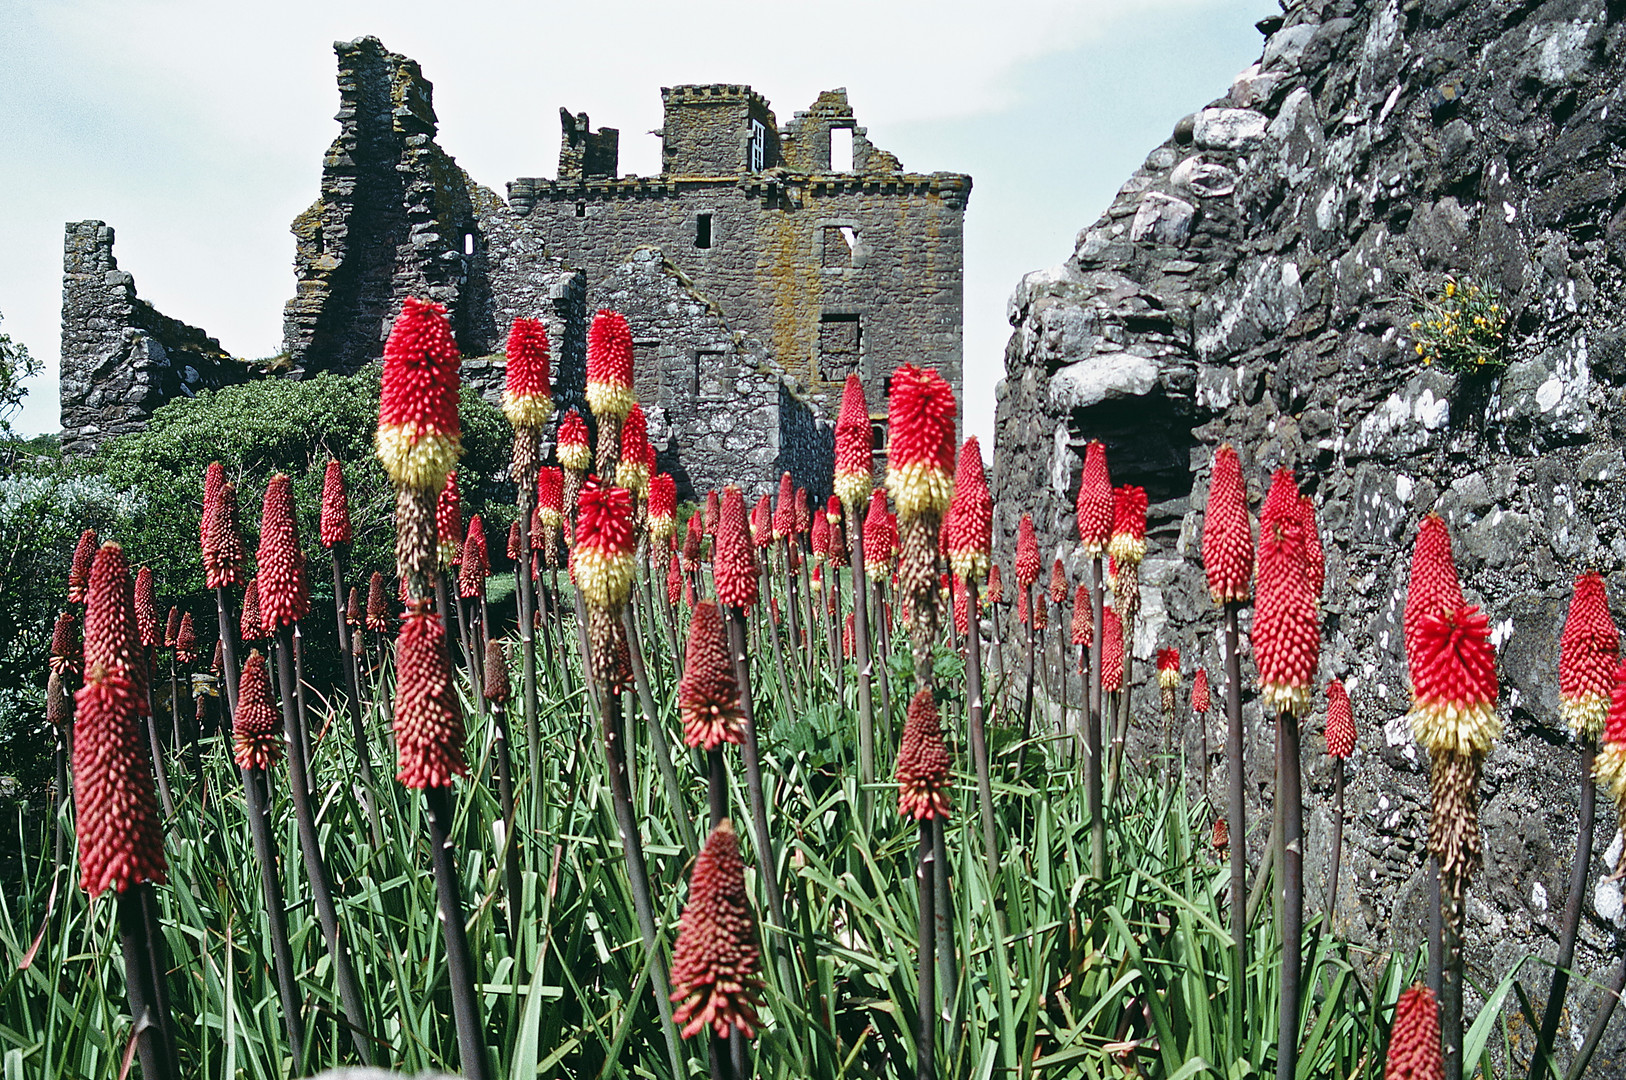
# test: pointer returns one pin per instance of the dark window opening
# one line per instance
(839, 241)
(320, 244)
(877, 433)
(840, 343)
(581, 209)
(702, 230)
(468, 243)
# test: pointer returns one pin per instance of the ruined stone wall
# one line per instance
(121, 358)
(1250, 283)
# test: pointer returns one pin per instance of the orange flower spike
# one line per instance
(1455, 687)
(1027, 553)
(1414, 1038)
(79, 571)
(708, 695)
(971, 516)
(923, 762)
(573, 448)
(804, 517)
(1112, 650)
(428, 724)
(1227, 534)
(419, 439)
(1199, 692)
(335, 523)
(1083, 619)
(920, 451)
(602, 560)
(527, 396)
(1286, 630)
(716, 960)
(733, 561)
(1587, 654)
(471, 578)
(609, 365)
(1340, 721)
(1128, 543)
(1095, 500)
(694, 541)
(854, 466)
(1041, 613)
(256, 726)
(662, 508)
(284, 592)
(120, 832)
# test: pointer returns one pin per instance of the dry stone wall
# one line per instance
(1251, 283)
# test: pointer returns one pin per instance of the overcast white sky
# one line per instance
(196, 129)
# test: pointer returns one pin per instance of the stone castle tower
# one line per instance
(757, 270)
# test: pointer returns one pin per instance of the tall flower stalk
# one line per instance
(498, 692)
(923, 794)
(1168, 684)
(970, 543)
(1340, 733)
(527, 402)
(1027, 566)
(1094, 519)
(853, 483)
(336, 535)
(1127, 547)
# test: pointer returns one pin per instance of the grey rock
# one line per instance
(1229, 129)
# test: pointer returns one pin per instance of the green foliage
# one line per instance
(16, 365)
(1462, 327)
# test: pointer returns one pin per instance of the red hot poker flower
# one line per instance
(1095, 500)
(1168, 668)
(1315, 558)
(419, 438)
(1112, 651)
(146, 609)
(733, 561)
(1027, 553)
(284, 594)
(821, 537)
(1199, 692)
(609, 365)
(574, 451)
(378, 604)
(716, 959)
(1286, 630)
(67, 654)
(335, 506)
(1058, 584)
(449, 522)
(713, 502)
(784, 513)
(496, 686)
(1454, 689)
(1610, 765)
(1227, 534)
(121, 840)
(762, 522)
(1587, 654)
(223, 554)
(214, 478)
(256, 726)
(1041, 613)
(971, 516)
(1340, 721)
(633, 471)
(1128, 543)
(527, 396)
(880, 532)
(471, 578)
(708, 695)
(962, 607)
(662, 507)
(1414, 1038)
(855, 446)
(1083, 618)
(250, 628)
(1434, 587)
(996, 585)
(428, 725)
(606, 543)
(694, 541)
(674, 581)
(79, 571)
(923, 762)
(920, 451)
(186, 641)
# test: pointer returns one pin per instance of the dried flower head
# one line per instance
(1286, 630)
(1454, 684)
(284, 593)
(1227, 534)
(855, 446)
(256, 725)
(734, 561)
(609, 365)
(708, 695)
(428, 724)
(716, 959)
(573, 448)
(1027, 553)
(1588, 652)
(1095, 500)
(67, 654)
(920, 449)
(79, 571)
(923, 762)
(335, 523)
(527, 396)
(1128, 543)
(606, 543)
(1112, 650)
(1340, 721)
(419, 437)
(1414, 1038)
(471, 577)
(496, 686)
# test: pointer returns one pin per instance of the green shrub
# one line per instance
(1461, 328)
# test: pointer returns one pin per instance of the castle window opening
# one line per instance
(702, 230)
(581, 209)
(840, 342)
(877, 434)
(839, 242)
(841, 149)
(468, 243)
(759, 140)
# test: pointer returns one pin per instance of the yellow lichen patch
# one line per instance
(1446, 728)
(417, 458)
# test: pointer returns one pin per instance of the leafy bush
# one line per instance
(1462, 328)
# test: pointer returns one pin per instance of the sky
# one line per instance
(196, 129)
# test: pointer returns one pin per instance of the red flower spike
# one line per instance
(256, 726)
(378, 604)
(1022, 608)
(733, 561)
(146, 609)
(662, 507)
(186, 642)
(79, 571)
(284, 594)
(1434, 587)
(120, 833)
(355, 612)
(784, 512)
(1414, 1038)
(1609, 768)
(804, 518)
(471, 578)
(1315, 557)
(574, 450)
(496, 687)
(962, 607)
(513, 541)
(1112, 650)
(996, 585)
(970, 519)
(1041, 613)
(172, 627)
(834, 514)
(214, 478)
(419, 438)
(1027, 553)
(1083, 618)
(223, 554)
(716, 959)
(674, 580)
(633, 471)
(428, 726)
(694, 541)
(250, 628)
(1587, 654)
(335, 506)
(1128, 543)
(855, 446)
(527, 396)
(923, 762)
(67, 654)
(1340, 730)
(1454, 689)
(708, 695)
(920, 450)
(821, 537)
(1095, 500)
(1058, 584)
(1286, 631)
(449, 523)
(609, 365)
(848, 649)
(606, 543)
(1227, 534)
(880, 532)
(1168, 668)
(1199, 692)
(762, 522)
